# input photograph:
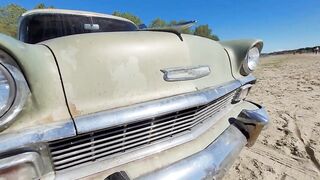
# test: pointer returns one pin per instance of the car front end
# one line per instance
(127, 105)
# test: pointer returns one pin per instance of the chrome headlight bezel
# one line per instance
(7, 77)
(19, 90)
(251, 60)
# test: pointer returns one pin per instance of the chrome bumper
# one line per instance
(211, 163)
(214, 161)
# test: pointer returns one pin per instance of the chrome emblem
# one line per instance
(185, 73)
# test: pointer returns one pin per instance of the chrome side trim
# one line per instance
(110, 118)
(185, 73)
(50, 132)
(211, 163)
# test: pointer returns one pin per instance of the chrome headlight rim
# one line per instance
(19, 90)
(12, 89)
(246, 69)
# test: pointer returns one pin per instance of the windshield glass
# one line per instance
(37, 28)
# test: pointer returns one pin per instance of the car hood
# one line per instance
(102, 71)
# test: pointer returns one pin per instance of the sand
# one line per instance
(289, 87)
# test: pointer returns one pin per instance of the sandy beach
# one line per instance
(289, 87)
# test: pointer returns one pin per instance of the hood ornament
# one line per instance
(185, 73)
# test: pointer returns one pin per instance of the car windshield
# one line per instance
(37, 28)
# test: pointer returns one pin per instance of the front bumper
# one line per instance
(214, 161)
(211, 163)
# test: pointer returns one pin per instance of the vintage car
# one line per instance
(92, 96)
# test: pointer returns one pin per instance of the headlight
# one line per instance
(251, 61)
(13, 90)
(7, 90)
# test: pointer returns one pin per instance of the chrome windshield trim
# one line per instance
(110, 118)
(50, 132)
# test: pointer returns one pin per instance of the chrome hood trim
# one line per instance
(185, 73)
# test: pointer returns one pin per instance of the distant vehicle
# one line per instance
(93, 96)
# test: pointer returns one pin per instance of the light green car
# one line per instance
(91, 96)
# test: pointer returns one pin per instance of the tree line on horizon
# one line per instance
(200, 30)
(9, 16)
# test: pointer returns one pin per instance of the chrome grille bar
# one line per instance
(100, 144)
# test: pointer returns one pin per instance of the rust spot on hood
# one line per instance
(73, 110)
(48, 119)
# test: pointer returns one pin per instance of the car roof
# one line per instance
(72, 12)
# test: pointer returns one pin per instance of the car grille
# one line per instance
(101, 144)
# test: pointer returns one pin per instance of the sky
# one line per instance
(281, 24)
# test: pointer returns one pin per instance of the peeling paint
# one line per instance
(48, 119)
(46, 104)
(73, 109)
(98, 75)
